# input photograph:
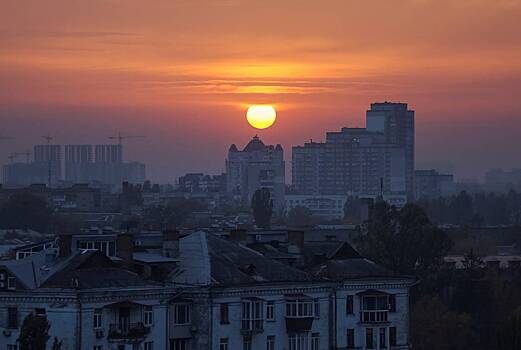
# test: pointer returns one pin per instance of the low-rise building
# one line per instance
(328, 207)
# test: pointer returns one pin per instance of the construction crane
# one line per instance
(120, 137)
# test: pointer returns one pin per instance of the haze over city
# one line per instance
(183, 73)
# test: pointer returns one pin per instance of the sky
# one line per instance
(183, 72)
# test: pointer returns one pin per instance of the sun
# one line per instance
(261, 116)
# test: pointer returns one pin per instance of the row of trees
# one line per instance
(34, 334)
(478, 209)
(472, 308)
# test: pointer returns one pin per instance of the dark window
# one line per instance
(392, 336)
(349, 305)
(316, 306)
(12, 319)
(383, 338)
(350, 338)
(369, 344)
(225, 319)
(392, 303)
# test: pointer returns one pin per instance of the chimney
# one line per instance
(171, 243)
(295, 242)
(64, 245)
(239, 236)
(125, 248)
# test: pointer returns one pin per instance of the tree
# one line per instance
(34, 333)
(300, 216)
(404, 241)
(25, 211)
(262, 206)
(509, 333)
(434, 327)
(56, 344)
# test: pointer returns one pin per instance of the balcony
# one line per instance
(250, 327)
(130, 331)
(374, 316)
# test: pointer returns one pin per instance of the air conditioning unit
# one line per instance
(99, 333)
(7, 332)
(258, 238)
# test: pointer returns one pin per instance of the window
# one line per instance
(383, 338)
(392, 303)
(149, 345)
(148, 316)
(98, 318)
(298, 341)
(349, 305)
(11, 283)
(12, 347)
(392, 336)
(299, 308)
(350, 338)
(374, 309)
(315, 341)
(97, 347)
(316, 308)
(246, 344)
(12, 317)
(181, 344)
(223, 344)
(225, 316)
(2, 280)
(252, 315)
(270, 311)
(270, 342)
(182, 314)
(369, 338)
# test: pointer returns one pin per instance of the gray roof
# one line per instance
(338, 270)
(210, 260)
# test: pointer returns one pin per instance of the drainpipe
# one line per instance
(78, 324)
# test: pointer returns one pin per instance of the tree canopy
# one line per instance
(34, 333)
(262, 206)
(405, 240)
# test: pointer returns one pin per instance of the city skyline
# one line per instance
(179, 69)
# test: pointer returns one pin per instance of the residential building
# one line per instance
(78, 163)
(328, 207)
(47, 163)
(431, 184)
(375, 160)
(256, 166)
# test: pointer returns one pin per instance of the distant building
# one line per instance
(108, 153)
(431, 184)
(328, 207)
(256, 166)
(202, 183)
(360, 161)
(78, 163)
(47, 163)
(500, 180)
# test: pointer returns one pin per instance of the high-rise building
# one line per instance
(47, 163)
(256, 166)
(78, 163)
(108, 153)
(360, 161)
(396, 121)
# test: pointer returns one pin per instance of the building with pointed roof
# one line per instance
(257, 166)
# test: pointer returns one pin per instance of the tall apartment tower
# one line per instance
(78, 162)
(47, 163)
(256, 166)
(378, 159)
(108, 153)
(396, 121)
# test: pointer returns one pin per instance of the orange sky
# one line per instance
(183, 71)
